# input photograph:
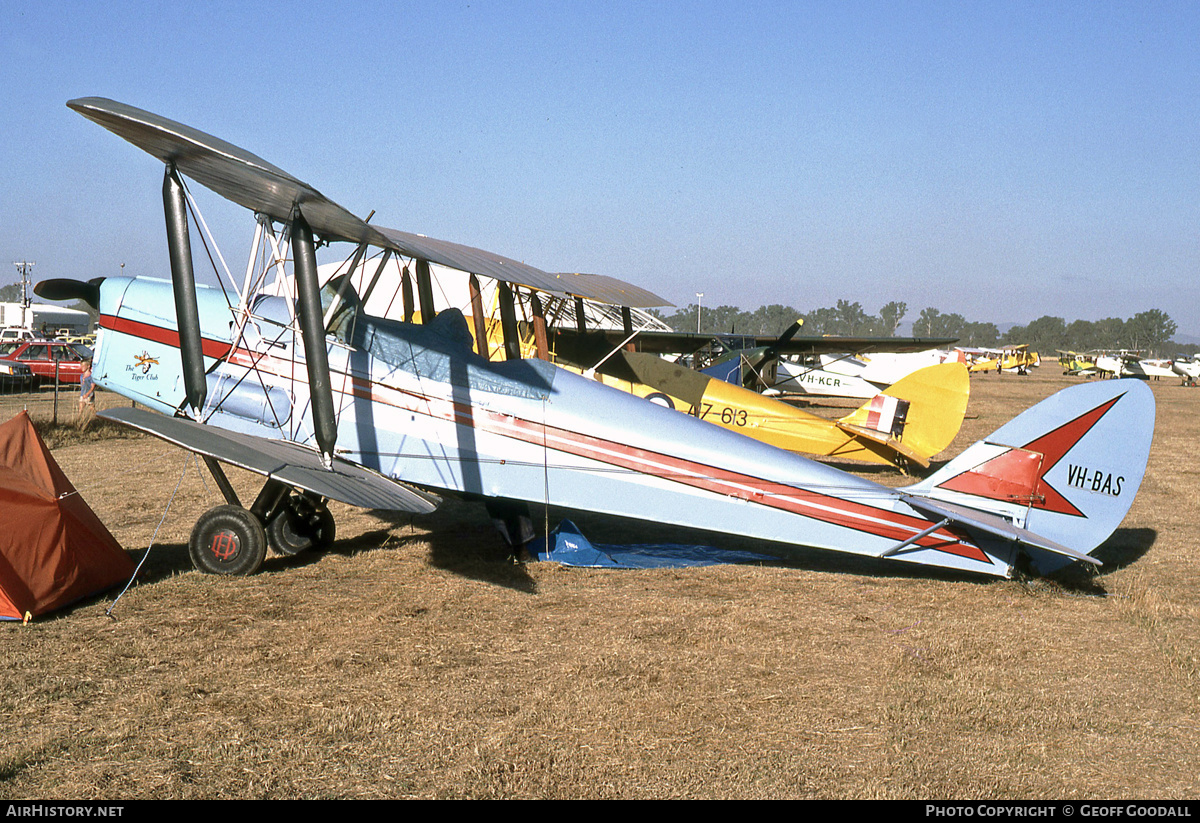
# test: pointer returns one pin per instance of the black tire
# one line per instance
(228, 540)
(303, 524)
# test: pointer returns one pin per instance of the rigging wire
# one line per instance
(137, 569)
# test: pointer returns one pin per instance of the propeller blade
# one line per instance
(790, 333)
(772, 352)
(768, 357)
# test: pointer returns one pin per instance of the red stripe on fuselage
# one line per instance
(157, 334)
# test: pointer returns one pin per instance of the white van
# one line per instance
(13, 333)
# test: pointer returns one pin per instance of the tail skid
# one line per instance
(1058, 479)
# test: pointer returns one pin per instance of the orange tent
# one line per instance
(53, 548)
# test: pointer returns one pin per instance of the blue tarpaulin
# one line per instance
(570, 548)
(729, 371)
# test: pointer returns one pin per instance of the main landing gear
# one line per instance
(230, 539)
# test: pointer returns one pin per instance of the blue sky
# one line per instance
(1001, 160)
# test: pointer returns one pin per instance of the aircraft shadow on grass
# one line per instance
(1125, 547)
(470, 547)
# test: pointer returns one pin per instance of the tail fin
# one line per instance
(1066, 470)
(919, 416)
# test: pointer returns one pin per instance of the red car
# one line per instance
(40, 356)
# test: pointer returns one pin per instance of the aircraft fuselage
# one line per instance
(415, 403)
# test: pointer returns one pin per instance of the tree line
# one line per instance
(1149, 331)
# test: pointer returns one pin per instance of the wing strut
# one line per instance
(406, 294)
(183, 279)
(312, 329)
(580, 320)
(540, 339)
(425, 291)
(481, 334)
(508, 322)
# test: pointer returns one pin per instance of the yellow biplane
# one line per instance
(1078, 364)
(1017, 359)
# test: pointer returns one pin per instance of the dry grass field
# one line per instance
(414, 660)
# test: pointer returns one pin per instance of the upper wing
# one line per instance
(664, 342)
(250, 181)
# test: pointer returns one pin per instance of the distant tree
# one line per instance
(890, 317)
(979, 335)
(1046, 334)
(932, 323)
(712, 319)
(1151, 330)
(1110, 333)
(821, 321)
(851, 320)
(1148, 331)
(1083, 335)
(924, 325)
(10, 293)
(771, 320)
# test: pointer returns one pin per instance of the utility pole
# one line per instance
(23, 268)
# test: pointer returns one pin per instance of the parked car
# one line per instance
(45, 358)
(14, 334)
(15, 376)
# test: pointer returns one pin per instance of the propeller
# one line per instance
(765, 362)
(772, 352)
(62, 288)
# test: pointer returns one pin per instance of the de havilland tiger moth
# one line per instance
(330, 403)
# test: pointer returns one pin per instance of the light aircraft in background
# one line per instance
(1078, 364)
(848, 375)
(1017, 359)
(1188, 368)
(906, 425)
(1126, 363)
(766, 365)
(327, 401)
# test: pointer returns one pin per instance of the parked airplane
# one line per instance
(1129, 364)
(326, 401)
(1077, 364)
(906, 425)
(767, 365)
(847, 375)
(1187, 368)
(1008, 358)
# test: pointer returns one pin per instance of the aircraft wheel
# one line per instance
(228, 540)
(302, 525)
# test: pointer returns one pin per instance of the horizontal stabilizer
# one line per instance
(289, 463)
(994, 525)
(885, 439)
